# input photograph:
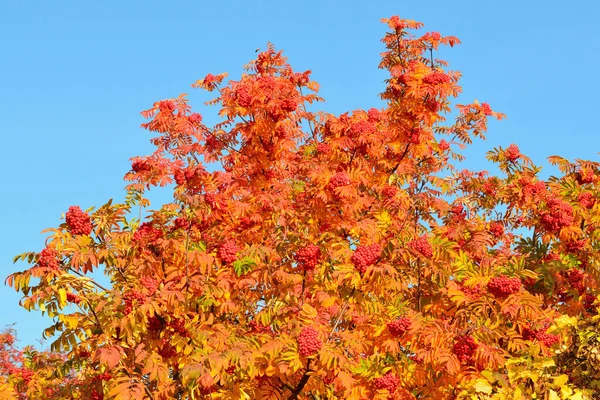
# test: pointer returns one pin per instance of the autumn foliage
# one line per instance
(326, 257)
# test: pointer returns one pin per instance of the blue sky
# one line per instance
(75, 75)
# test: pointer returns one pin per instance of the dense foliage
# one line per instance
(327, 257)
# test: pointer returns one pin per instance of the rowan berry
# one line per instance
(464, 347)
(309, 342)
(389, 382)
(503, 286)
(421, 246)
(399, 326)
(308, 257)
(228, 251)
(365, 256)
(79, 223)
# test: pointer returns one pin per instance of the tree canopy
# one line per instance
(327, 257)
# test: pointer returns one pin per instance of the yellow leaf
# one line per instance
(483, 386)
(561, 380)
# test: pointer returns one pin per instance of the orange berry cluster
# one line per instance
(338, 180)
(308, 257)
(496, 229)
(227, 251)
(421, 246)
(149, 283)
(436, 78)
(541, 336)
(558, 215)
(365, 256)
(389, 381)
(309, 342)
(503, 286)
(79, 223)
(73, 298)
(576, 280)
(512, 154)
(130, 297)
(105, 376)
(48, 258)
(586, 200)
(399, 326)
(464, 347)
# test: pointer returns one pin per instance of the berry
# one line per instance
(48, 258)
(289, 105)
(399, 326)
(558, 215)
(421, 246)
(464, 347)
(436, 78)
(487, 110)
(166, 105)
(73, 298)
(389, 382)
(194, 118)
(96, 395)
(105, 376)
(584, 175)
(503, 286)
(443, 145)
(243, 96)
(79, 223)
(178, 325)
(323, 148)
(146, 233)
(338, 180)
(364, 256)
(129, 298)
(308, 257)
(576, 277)
(586, 200)
(512, 153)
(150, 284)
(496, 229)
(155, 324)
(374, 115)
(227, 251)
(167, 350)
(230, 369)
(389, 191)
(363, 128)
(546, 339)
(309, 342)
(140, 165)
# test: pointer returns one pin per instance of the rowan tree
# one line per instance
(329, 256)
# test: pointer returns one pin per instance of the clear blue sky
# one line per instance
(74, 76)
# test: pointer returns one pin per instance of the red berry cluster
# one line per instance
(178, 325)
(389, 191)
(374, 115)
(363, 128)
(105, 376)
(166, 105)
(496, 229)
(575, 246)
(48, 258)
(487, 110)
(558, 215)
(96, 395)
(73, 298)
(167, 350)
(364, 256)
(150, 284)
(130, 297)
(443, 145)
(421, 246)
(433, 106)
(227, 251)
(259, 328)
(472, 291)
(308, 257)
(230, 369)
(399, 326)
(458, 211)
(540, 335)
(588, 302)
(84, 353)
(586, 200)
(414, 136)
(194, 118)
(512, 154)
(576, 280)
(503, 286)
(389, 382)
(289, 105)
(436, 78)
(79, 223)
(155, 324)
(147, 233)
(323, 148)
(243, 96)
(140, 165)
(489, 188)
(308, 341)
(338, 180)
(464, 347)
